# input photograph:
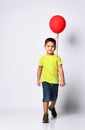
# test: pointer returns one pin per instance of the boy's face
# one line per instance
(50, 48)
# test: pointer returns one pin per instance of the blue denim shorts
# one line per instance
(50, 91)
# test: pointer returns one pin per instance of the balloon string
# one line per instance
(57, 38)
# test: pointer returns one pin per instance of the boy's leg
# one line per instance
(46, 98)
(54, 93)
(52, 108)
(45, 107)
(52, 105)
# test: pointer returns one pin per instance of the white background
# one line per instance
(24, 25)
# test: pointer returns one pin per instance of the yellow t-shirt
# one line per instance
(50, 68)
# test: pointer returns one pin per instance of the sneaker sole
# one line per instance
(45, 121)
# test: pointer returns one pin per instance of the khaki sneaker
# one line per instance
(45, 118)
(53, 111)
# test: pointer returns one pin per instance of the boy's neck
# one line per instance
(50, 54)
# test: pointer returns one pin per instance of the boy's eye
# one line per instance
(50, 46)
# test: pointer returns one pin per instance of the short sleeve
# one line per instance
(40, 62)
(60, 61)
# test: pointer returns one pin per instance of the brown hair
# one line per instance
(50, 40)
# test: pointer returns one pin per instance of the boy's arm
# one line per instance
(61, 75)
(39, 72)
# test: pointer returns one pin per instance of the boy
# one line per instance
(51, 73)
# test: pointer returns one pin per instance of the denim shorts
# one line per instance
(50, 91)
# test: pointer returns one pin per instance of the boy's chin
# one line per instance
(50, 53)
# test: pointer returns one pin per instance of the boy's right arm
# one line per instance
(39, 72)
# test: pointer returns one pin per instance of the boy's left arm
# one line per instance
(61, 75)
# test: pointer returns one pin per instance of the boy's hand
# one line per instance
(62, 83)
(38, 83)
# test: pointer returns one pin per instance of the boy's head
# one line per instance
(50, 45)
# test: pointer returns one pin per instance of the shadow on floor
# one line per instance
(72, 101)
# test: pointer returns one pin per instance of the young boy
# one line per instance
(51, 74)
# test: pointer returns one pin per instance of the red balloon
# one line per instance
(57, 24)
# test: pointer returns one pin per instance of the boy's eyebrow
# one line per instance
(50, 45)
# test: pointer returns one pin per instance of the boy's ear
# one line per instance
(55, 47)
